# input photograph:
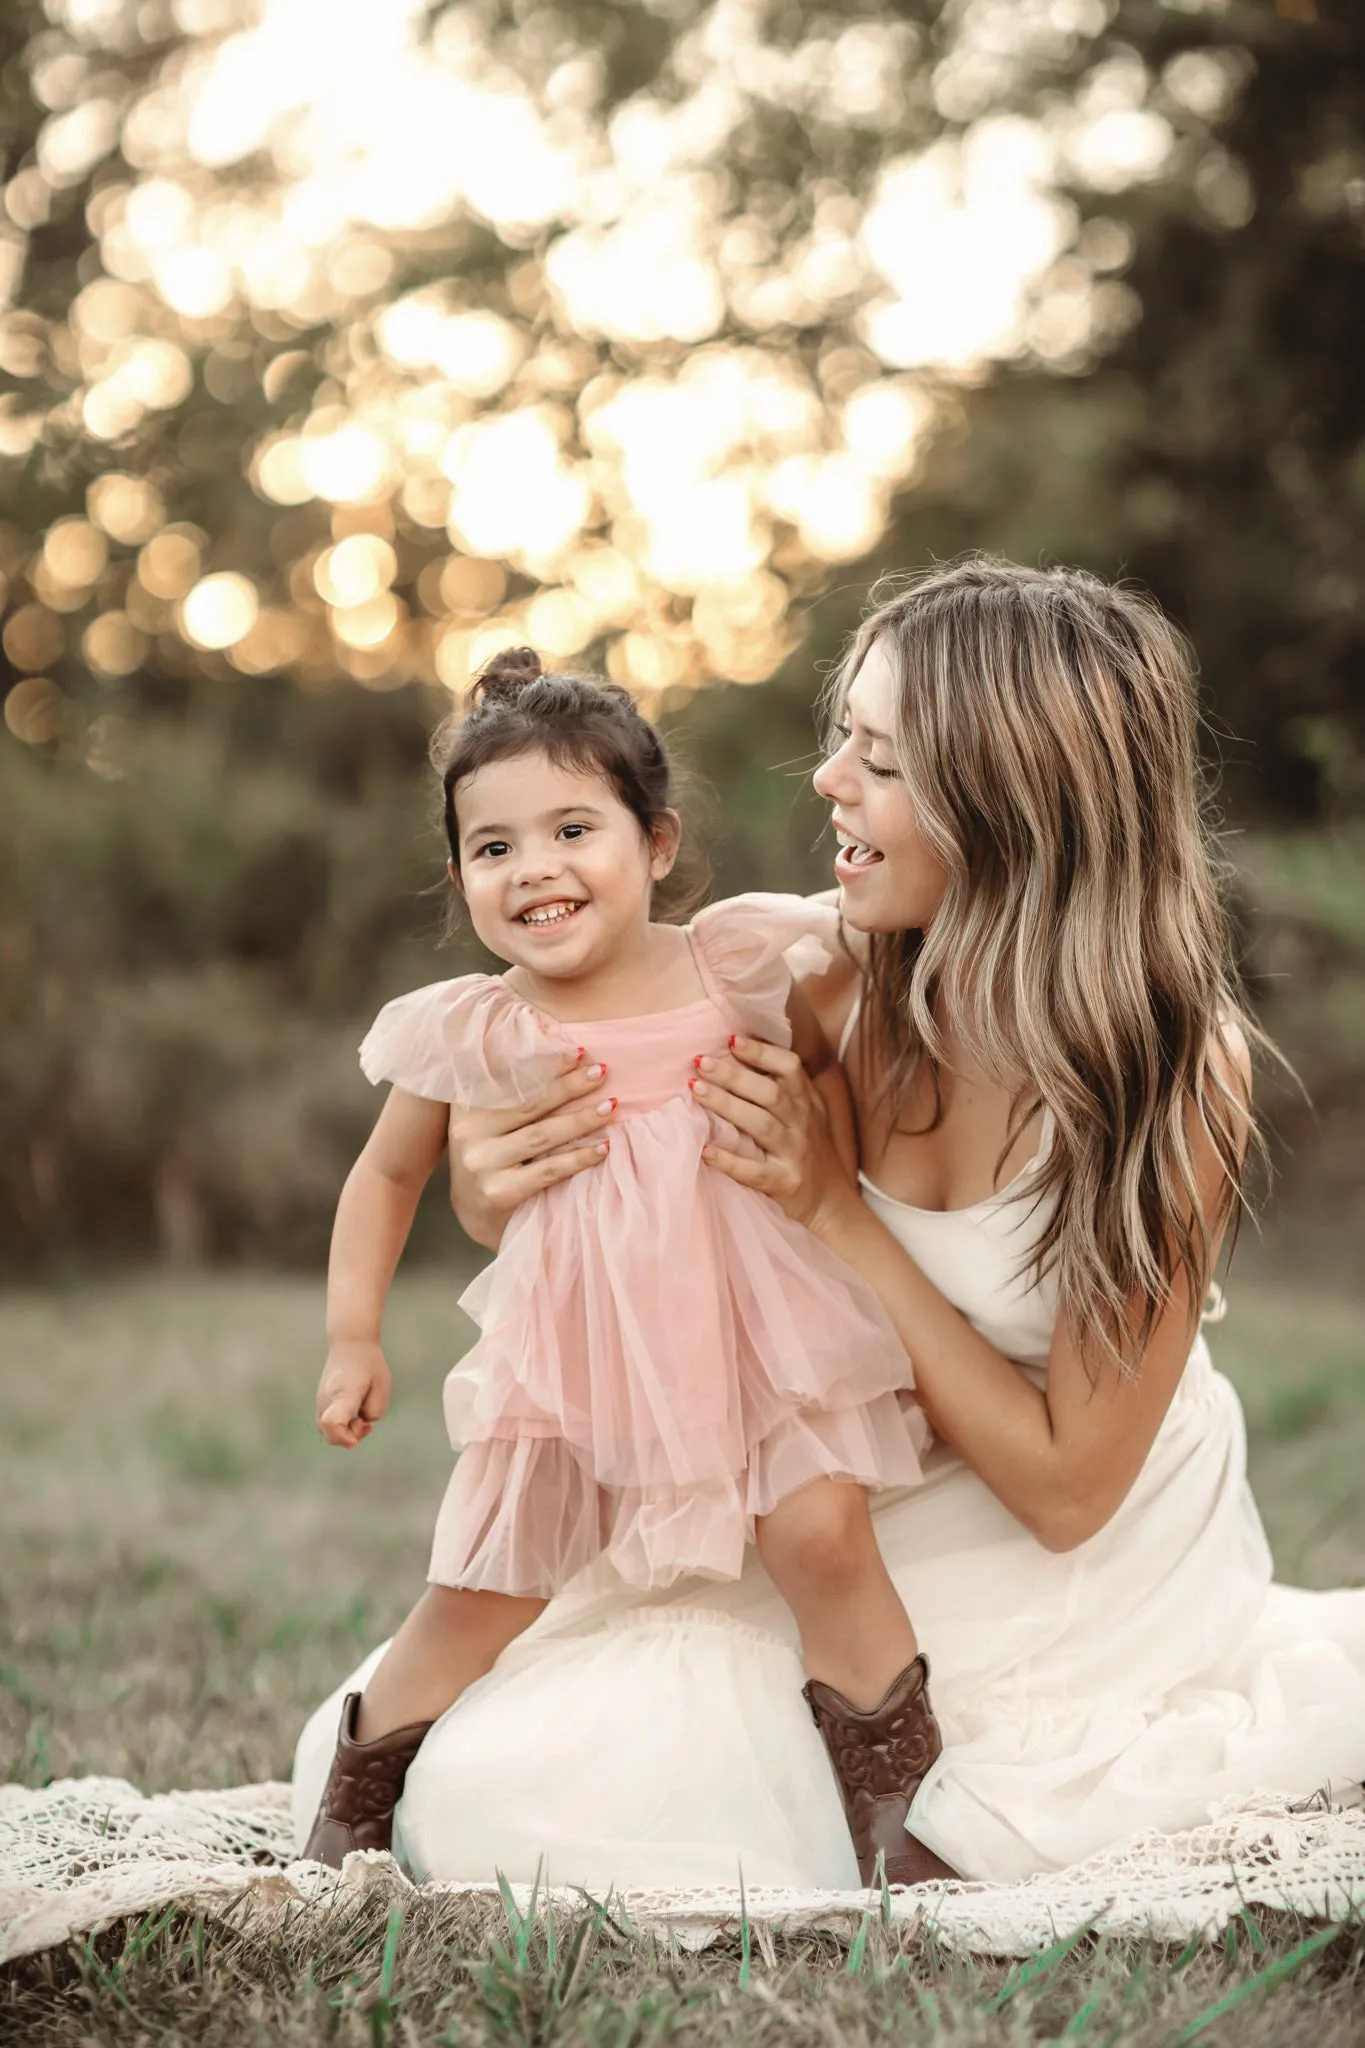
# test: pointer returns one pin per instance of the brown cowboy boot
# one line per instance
(880, 1760)
(363, 1787)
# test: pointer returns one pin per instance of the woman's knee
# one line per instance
(819, 1540)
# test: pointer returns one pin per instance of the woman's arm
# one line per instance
(1063, 1459)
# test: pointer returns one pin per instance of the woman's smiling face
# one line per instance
(890, 878)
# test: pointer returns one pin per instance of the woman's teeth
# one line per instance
(549, 913)
(855, 853)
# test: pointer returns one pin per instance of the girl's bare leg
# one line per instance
(821, 1553)
(451, 1637)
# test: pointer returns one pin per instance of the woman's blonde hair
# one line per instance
(1046, 729)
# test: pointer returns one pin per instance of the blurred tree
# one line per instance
(339, 349)
(615, 329)
(1217, 451)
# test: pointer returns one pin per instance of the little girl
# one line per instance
(667, 1364)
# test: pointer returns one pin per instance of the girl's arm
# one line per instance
(374, 1216)
(1063, 1458)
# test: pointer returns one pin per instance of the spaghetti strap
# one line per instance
(850, 1024)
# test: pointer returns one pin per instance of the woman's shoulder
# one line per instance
(471, 1041)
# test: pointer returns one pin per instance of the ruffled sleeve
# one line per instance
(752, 948)
(469, 1042)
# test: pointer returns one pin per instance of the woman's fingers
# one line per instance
(750, 1117)
(509, 1189)
(755, 1089)
(750, 1173)
(491, 1155)
(570, 1088)
(759, 1073)
(757, 1054)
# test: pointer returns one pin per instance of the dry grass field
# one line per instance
(186, 1571)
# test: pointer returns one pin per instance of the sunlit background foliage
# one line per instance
(344, 344)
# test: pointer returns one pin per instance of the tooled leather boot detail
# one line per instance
(363, 1787)
(880, 1759)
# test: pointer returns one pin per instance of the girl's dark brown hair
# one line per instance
(516, 707)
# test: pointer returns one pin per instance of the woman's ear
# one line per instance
(664, 842)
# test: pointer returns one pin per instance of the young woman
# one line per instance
(1039, 1025)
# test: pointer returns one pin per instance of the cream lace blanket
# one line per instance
(87, 1851)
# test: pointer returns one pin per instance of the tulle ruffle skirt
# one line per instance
(664, 1356)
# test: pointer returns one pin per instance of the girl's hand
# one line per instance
(500, 1157)
(353, 1393)
(765, 1091)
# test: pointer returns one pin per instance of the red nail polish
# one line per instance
(612, 1100)
(581, 1050)
(733, 1036)
(693, 1082)
(697, 1058)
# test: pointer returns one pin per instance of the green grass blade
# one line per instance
(1038, 1968)
(391, 1933)
(857, 1948)
(1264, 1980)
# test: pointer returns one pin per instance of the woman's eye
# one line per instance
(844, 733)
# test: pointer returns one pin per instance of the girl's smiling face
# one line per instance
(555, 869)
(890, 877)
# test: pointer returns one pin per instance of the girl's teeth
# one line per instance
(555, 916)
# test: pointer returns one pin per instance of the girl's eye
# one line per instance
(494, 846)
(572, 831)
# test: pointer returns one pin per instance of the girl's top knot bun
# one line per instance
(504, 678)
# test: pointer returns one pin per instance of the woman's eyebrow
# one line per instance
(869, 731)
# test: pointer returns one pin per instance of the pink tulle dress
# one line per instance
(664, 1354)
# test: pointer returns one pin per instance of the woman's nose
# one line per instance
(832, 777)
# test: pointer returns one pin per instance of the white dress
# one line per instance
(660, 1740)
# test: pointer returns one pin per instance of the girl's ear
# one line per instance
(454, 874)
(664, 842)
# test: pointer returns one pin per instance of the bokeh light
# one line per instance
(36, 711)
(113, 645)
(128, 508)
(169, 564)
(584, 343)
(219, 610)
(356, 570)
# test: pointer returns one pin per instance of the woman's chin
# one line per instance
(878, 906)
(862, 912)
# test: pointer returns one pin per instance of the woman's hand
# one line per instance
(353, 1393)
(765, 1091)
(500, 1157)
